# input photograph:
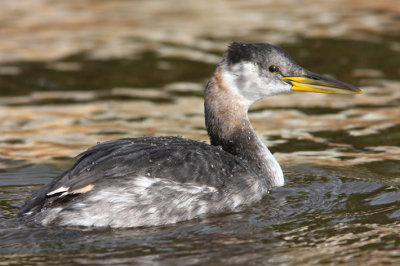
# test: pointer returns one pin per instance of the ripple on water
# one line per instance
(340, 155)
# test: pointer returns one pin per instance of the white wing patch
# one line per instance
(58, 190)
(64, 190)
(82, 189)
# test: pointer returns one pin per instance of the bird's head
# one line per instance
(260, 70)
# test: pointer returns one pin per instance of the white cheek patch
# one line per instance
(245, 79)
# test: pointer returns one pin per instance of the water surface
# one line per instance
(340, 154)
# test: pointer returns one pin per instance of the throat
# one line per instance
(227, 120)
(229, 127)
(236, 136)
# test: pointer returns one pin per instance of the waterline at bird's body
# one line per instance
(154, 181)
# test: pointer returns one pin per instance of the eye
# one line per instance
(273, 68)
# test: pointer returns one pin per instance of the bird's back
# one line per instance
(170, 168)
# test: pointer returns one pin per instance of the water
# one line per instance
(340, 154)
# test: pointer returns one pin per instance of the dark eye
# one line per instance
(274, 68)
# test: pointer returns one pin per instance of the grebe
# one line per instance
(151, 181)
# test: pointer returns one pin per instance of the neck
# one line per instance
(229, 127)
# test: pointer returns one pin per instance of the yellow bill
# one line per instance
(317, 83)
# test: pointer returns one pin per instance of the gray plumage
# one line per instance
(154, 181)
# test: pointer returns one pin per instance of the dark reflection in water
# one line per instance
(336, 56)
(146, 70)
(388, 136)
(341, 57)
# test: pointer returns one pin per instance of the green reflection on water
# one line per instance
(103, 74)
(387, 168)
(326, 56)
(385, 137)
(293, 145)
(341, 57)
